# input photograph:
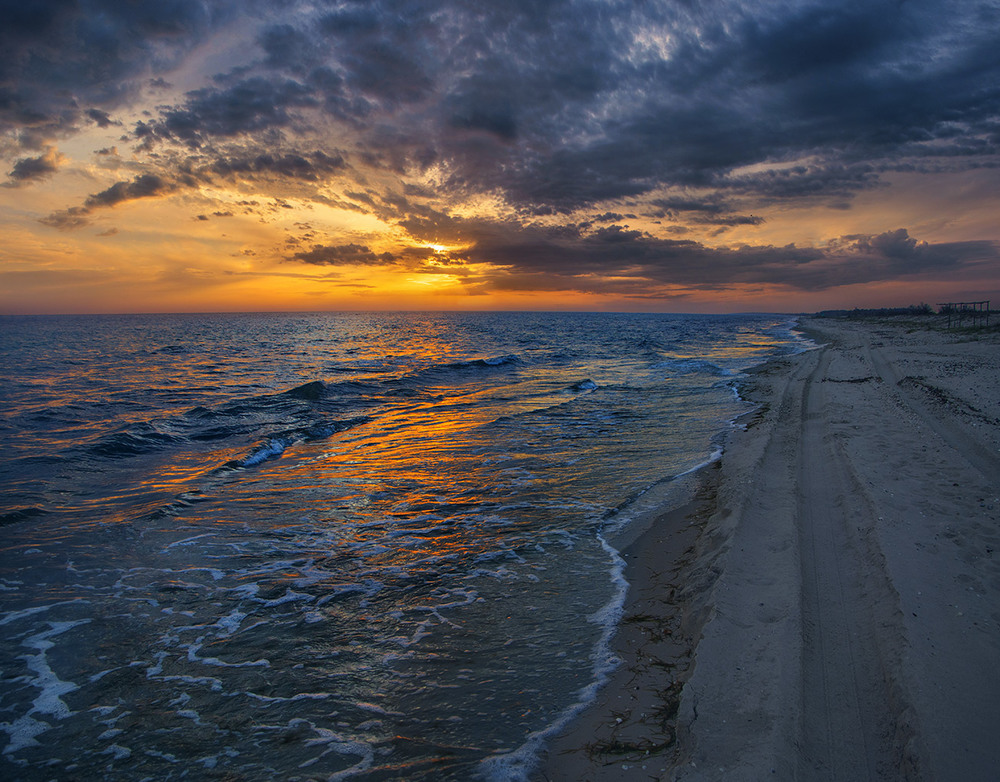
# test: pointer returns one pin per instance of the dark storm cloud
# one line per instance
(617, 258)
(143, 186)
(420, 83)
(101, 118)
(252, 164)
(249, 105)
(31, 168)
(731, 220)
(557, 104)
(56, 55)
(843, 84)
(34, 168)
(681, 204)
(556, 107)
(712, 211)
(831, 182)
(553, 102)
(343, 255)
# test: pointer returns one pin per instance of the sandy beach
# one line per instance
(828, 605)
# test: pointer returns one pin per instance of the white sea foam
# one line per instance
(302, 696)
(368, 588)
(340, 746)
(24, 729)
(231, 622)
(290, 596)
(245, 591)
(502, 573)
(203, 681)
(376, 709)
(268, 450)
(518, 764)
(110, 733)
(49, 700)
(167, 756)
(497, 361)
(192, 656)
(190, 541)
(14, 616)
(118, 752)
(22, 732)
(155, 670)
(361, 560)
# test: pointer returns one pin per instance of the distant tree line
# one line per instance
(914, 310)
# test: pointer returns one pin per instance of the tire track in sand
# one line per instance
(847, 725)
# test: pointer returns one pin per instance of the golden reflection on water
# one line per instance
(438, 559)
(407, 490)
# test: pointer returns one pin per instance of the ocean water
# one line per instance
(330, 546)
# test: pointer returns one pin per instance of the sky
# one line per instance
(675, 156)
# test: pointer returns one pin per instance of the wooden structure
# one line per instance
(960, 310)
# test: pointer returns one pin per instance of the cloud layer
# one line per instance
(577, 119)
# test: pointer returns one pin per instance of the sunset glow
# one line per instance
(218, 156)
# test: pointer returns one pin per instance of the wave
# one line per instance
(262, 453)
(464, 368)
(520, 763)
(20, 514)
(409, 384)
(498, 361)
(547, 403)
(264, 450)
(687, 366)
(310, 411)
(173, 350)
(136, 439)
(584, 385)
(363, 366)
(308, 391)
(275, 446)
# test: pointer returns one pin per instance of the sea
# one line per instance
(332, 546)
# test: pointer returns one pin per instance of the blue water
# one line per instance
(330, 546)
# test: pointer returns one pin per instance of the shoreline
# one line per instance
(816, 611)
(632, 721)
(631, 730)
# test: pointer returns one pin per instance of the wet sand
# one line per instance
(828, 607)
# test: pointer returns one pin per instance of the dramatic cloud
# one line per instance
(101, 118)
(695, 91)
(56, 55)
(543, 143)
(143, 186)
(308, 167)
(28, 169)
(67, 219)
(343, 255)
(253, 104)
(615, 258)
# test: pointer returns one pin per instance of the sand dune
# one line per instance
(829, 607)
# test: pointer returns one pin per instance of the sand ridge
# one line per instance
(836, 604)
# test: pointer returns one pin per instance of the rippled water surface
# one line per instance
(329, 546)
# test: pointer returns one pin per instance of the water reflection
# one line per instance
(299, 545)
